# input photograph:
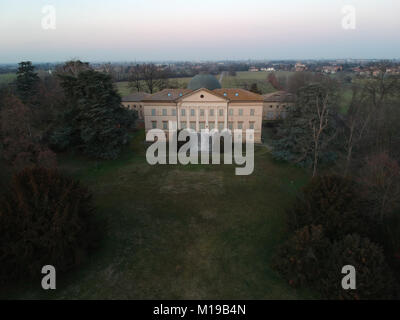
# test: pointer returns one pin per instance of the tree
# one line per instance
(20, 141)
(274, 81)
(356, 124)
(27, 81)
(337, 203)
(381, 175)
(94, 121)
(306, 136)
(72, 68)
(374, 279)
(136, 78)
(254, 88)
(153, 77)
(45, 218)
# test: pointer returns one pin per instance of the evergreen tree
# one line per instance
(27, 81)
(94, 120)
(308, 133)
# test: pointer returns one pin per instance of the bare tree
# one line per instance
(355, 125)
(135, 78)
(381, 174)
(154, 77)
(318, 125)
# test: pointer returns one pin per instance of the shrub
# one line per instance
(373, 277)
(301, 259)
(45, 218)
(333, 202)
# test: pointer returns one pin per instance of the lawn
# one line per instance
(241, 80)
(7, 78)
(181, 232)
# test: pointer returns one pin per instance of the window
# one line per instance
(252, 112)
(220, 126)
(202, 125)
(270, 115)
(221, 112)
(183, 124)
(271, 106)
(153, 112)
(174, 112)
(129, 106)
(240, 125)
(134, 106)
(211, 125)
(202, 113)
(192, 112)
(165, 125)
(240, 112)
(193, 125)
(230, 125)
(231, 112)
(283, 114)
(251, 125)
(154, 124)
(211, 112)
(164, 112)
(183, 112)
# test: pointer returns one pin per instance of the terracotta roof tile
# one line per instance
(239, 95)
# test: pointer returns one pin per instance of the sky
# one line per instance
(160, 30)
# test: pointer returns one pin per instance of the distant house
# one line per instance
(276, 105)
(331, 69)
(254, 69)
(300, 67)
(134, 102)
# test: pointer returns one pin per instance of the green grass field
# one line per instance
(181, 232)
(241, 80)
(7, 78)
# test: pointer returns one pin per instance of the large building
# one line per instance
(205, 105)
(276, 105)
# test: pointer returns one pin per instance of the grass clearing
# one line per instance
(181, 232)
(6, 78)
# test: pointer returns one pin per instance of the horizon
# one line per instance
(156, 30)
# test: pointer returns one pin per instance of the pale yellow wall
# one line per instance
(138, 106)
(197, 120)
(274, 112)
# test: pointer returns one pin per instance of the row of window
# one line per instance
(202, 112)
(271, 115)
(134, 106)
(202, 125)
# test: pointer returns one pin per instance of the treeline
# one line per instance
(47, 217)
(75, 108)
(349, 213)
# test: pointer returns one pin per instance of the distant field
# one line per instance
(7, 77)
(181, 232)
(242, 80)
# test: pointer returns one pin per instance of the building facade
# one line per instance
(205, 109)
(134, 101)
(276, 105)
(205, 105)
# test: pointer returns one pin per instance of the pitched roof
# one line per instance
(230, 94)
(167, 95)
(135, 97)
(239, 95)
(279, 96)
